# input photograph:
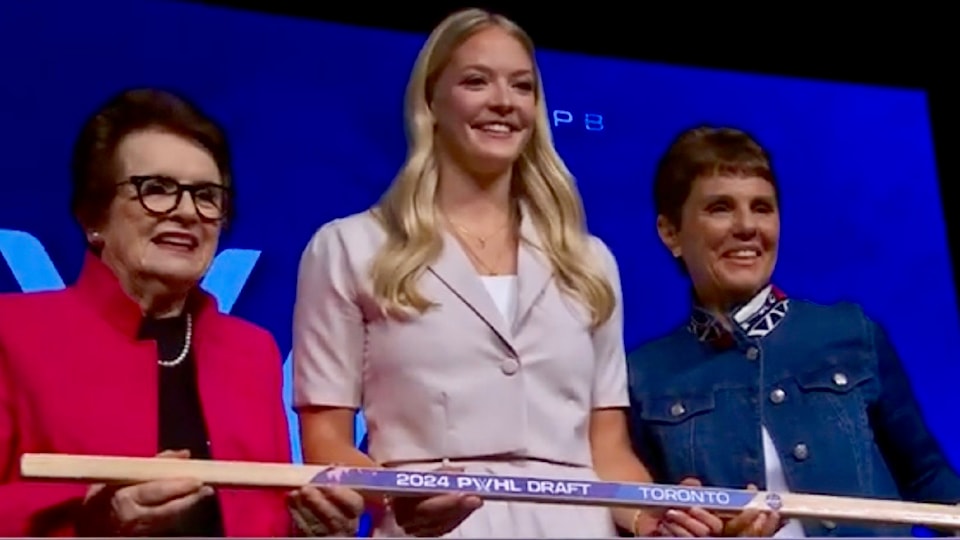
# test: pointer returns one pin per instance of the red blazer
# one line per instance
(74, 379)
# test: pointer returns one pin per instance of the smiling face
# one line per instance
(728, 237)
(484, 102)
(175, 248)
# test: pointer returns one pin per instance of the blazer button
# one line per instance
(753, 353)
(778, 395)
(840, 379)
(829, 525)
(801, 452)
(509, 366)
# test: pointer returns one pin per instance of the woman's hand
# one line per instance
(326, 511)
(434, 516)
(690, 522)
(147, 508)
(753, 523)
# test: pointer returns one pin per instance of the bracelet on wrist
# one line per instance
(635, 526)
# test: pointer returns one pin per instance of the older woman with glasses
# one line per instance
(135, 360)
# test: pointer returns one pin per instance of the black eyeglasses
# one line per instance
(162, 194)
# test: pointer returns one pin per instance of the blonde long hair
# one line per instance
(407, 210)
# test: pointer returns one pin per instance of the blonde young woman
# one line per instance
(469, 313)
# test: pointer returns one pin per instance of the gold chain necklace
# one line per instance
(480, 239)
(488, 269)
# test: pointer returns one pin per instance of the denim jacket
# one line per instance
(825, 382)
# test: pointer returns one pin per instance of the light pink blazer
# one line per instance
(457, 382)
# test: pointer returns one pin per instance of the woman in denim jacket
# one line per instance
(760, 389)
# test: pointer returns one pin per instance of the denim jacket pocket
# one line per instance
(839, 395)
(839, 378)
(671, 421)
(675, 409)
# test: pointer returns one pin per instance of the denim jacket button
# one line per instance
(752, 353)
(677, 409)
(801, 452)
(778, 395)
(840, 379)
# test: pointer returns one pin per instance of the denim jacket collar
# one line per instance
(756, 318)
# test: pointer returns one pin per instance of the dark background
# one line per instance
(902, 46)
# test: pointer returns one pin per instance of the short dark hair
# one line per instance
(701, 152)
(94, 164)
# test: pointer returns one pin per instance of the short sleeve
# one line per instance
(610, 375)
(328, 332)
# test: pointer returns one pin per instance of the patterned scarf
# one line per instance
(756, 318)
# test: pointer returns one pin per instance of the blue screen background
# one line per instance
(314, 114)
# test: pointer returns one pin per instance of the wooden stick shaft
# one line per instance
(97, 469)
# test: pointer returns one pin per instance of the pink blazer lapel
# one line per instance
(533, 268)
(454, 269)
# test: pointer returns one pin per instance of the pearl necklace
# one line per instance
(186, 347)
